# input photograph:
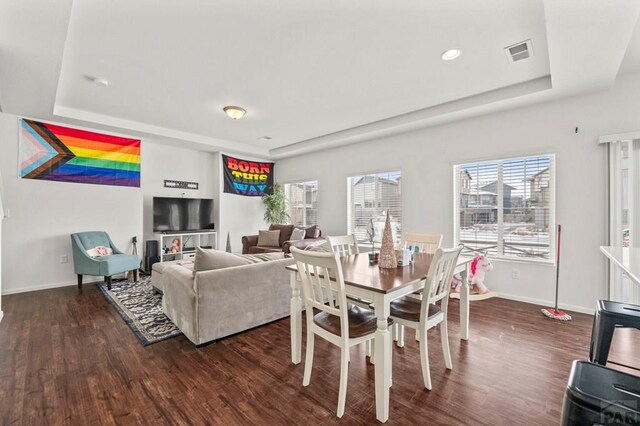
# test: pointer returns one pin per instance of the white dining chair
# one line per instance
(344, 245)
(422, 315)
(417, 243)
(422, 243)
(347, 245)
(342, 324)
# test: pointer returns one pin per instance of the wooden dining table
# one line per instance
(381, 286)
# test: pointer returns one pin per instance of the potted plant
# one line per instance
(276, 211)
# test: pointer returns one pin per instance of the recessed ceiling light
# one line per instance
(265, 138)
(234, 112)
(451, 54)
(99, 81)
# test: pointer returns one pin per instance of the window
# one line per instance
(506, 207)
(370, 198)
(302, 199)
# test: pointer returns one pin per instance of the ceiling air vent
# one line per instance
(519, 51)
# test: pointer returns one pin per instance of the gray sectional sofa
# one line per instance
(211, 304)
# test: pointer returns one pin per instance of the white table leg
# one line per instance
(383, 359)
(296, 319)
(464, 305)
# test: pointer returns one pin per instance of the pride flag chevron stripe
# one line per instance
(105, 164)
(73, 142)
(105, 155)
(91, 136)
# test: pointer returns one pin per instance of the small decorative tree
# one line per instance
(387, 250)
(275, 206)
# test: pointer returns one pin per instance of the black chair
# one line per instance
(598, 395)
(610, 315)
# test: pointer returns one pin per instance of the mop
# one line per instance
(555, 313)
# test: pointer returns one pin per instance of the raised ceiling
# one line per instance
(311, 74)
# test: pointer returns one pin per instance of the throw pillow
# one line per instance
(209, 259)
(99, 251)
(297, 234)
(313, 232)
(269, 238)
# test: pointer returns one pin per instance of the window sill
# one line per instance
(542, 262)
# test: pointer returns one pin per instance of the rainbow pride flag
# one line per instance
(62, 154)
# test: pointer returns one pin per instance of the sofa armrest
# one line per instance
(113, 247)
(248, 241)
(179, 300)
(299, 244)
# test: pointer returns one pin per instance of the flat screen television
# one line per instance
(182, 214)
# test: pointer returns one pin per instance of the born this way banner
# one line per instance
(249, 178)
(63, 154)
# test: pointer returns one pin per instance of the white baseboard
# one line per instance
(1, 315)
(88, 280)
(545, 303)
(548, 303)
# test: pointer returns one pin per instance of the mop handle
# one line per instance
(557, 266)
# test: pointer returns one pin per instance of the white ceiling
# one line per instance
(312, 74)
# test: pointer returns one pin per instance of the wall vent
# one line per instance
(519, 51)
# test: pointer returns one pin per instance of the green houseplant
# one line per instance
(275, 206)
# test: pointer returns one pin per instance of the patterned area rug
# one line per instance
(141, 308)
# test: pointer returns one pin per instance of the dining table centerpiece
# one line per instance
(387, 250)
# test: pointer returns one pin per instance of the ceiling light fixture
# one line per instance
(234, 112)
(451, 54)
(265, 138)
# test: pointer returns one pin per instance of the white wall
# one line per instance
(425, 158)
(239, 215)
(161, 162)
(43, 214)
(233, 214)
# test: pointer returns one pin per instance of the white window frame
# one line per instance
(500, 237)
(304, 211)
(621, 289)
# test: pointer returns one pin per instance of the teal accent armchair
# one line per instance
(106, 266)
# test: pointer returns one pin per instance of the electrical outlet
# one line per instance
(64, 259)
(515, 274)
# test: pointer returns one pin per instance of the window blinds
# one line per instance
(505, 207)
(370, 198)
(302, 199)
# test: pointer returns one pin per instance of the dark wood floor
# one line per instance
(68, 358)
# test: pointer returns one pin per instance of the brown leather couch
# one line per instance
(312, 235)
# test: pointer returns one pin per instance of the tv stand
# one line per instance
(185, 246)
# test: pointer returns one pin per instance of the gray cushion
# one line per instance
(313, 232)
(269, 238)
(297, 234)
